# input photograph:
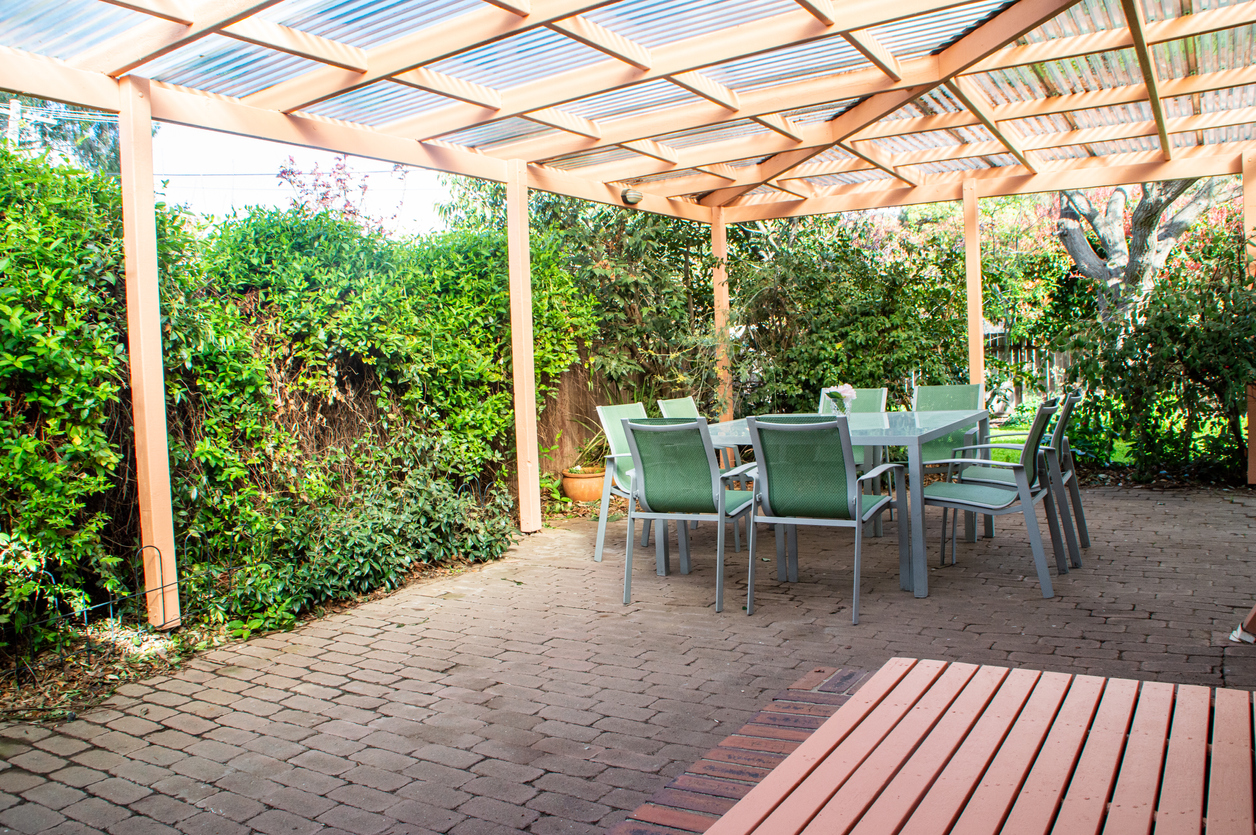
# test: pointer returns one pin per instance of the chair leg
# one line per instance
(1035, 543)
(628, 558)
(682, 540)
(662, 549)
(942, 555)
(970, 526)
(989, 532)
(854, 597)
(645, 533)
(750, 536)
(954, 533)
(1053, 526)
(719, 564)
(601, 517)
(782, 573)
(736, 536)
(1082, 533)
(1060, 494)
(791, 536)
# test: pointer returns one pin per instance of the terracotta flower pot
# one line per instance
(583, 487)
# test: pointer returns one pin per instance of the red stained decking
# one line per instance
(931, 747)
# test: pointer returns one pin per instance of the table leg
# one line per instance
(917, 581)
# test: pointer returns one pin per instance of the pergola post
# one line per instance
(972, 269)
(1249, 229)
(520, 257)
(143, 315)
(719, 281)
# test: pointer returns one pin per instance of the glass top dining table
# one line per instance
(880, 429)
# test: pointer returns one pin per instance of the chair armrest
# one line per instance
(979, 462)
(1017, 447)
(879, 471)
(738, 472)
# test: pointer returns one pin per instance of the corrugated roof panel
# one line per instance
(366, 23)
(1125, 146)
(924, 34)
(519, 59)
(1121, 114)
(1063, 153)
(819, 112)
(1080, 19)
(834, 154)
(850, 178)
(1238, 133)
(653, 23)
(948, 165)
(1229, 99)
(639, 98)
(496, 133)
(1040, 125)
(597, 156)
(378, 104)
(712, 133)
(65, 28)
(225, 66)
(796, 63)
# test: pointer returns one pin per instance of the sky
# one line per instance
(213, 173)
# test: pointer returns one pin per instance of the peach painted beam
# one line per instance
(561, 182)
(148, 389)
(522, 8)
(972, 285)
(694, 53)
(596, 36)
(174, 11)
(260, 32)
(708, 88)
(869, 153)
(821, 10)
(972, 99)
(1095, 172)
(405, 53)
(48, 78)
(522, 364)
(455, 88)
(719, 281)
(875, 51)
(781, 124)
(570, 122)
(652, 149)
(155, 38)
(1134, 20)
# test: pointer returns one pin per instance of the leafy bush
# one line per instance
(1171, 376)
(843, 302)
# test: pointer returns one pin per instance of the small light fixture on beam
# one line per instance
(631, 196)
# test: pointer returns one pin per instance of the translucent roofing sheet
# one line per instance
(519, 59)
(496, 133)
(225, 66)
(925, 34)
(794, 63)
(712, 133)
(654, 23)
(819, 112)
(64, 28)
(366, 23)
(597, 156)
(652, 95)
(378, 104)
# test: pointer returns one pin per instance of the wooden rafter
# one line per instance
(455, 88)
(875, 51)
(260, 32)
(972, 99)
(598, 37)
(821, 10)
(155, 38)
(174, 11)
(694, 53)
(522, 8)
(996, 33)
(859, 83)
(877, 158)
(708, 88)
(406, 53)
(652, 149)
(570, 122)
(785, 127)
(1137, 26)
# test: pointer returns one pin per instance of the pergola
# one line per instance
(716, 111)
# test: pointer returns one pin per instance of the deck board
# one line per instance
(929, 748)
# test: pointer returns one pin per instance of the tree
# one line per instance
(1126, 253)
(87, 139)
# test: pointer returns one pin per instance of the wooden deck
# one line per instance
(930, 747)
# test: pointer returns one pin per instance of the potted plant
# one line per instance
(583, 481)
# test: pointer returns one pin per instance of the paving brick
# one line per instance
(275, 822)
(53, 795)
(96, 812)
(30, 818)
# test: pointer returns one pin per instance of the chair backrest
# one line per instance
(806, 465)
(946, 398)
(1037, 431)
(611, 418)
(866, 400)
(1061, 419)
(679, 407)
(674, 464)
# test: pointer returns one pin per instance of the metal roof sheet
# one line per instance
(654, 23)
(225, 66)
(378, 104)
(65, 28)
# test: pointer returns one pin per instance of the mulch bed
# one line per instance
(713, 785)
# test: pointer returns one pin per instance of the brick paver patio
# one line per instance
(524, 697)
